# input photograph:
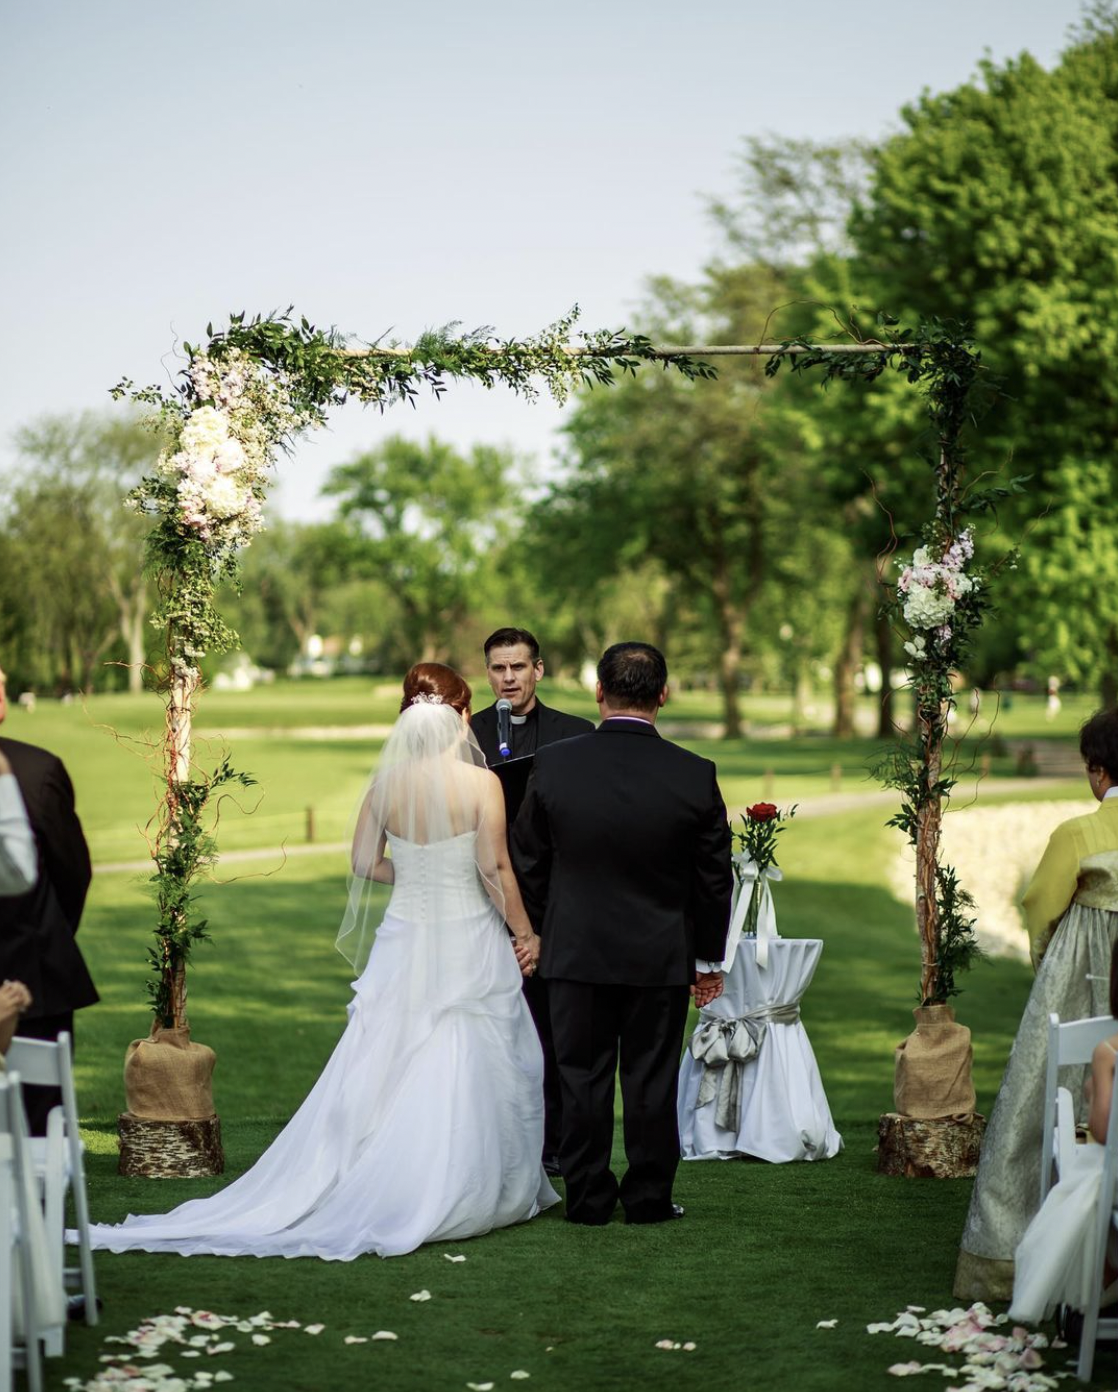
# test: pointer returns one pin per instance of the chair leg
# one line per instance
(7, 1238)
(85, 1245)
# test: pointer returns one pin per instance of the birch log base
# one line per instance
(929, 1148)
(169, 1149)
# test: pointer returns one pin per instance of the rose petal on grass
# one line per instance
(689, 1347)
(355, 1339)
(423, 1295)
(903, 1369)
(826, 1324)
(480, 1386)
(191, 1353)
(660, 1343)
(519, 1375)
(226, 1347)
(448, 1257)
(261, 1339)
(313, 1328)
(385, 1334)
(223, 1376)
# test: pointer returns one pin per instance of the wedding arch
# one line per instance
(254, 388)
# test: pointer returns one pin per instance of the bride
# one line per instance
(426, 1124)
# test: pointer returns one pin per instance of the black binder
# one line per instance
(514, 775)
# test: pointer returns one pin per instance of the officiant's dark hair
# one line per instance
(1098, 742)
(633, 675)
(509, 638)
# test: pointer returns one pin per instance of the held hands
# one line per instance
(14, 1000)
(707, 987)
(527, 951)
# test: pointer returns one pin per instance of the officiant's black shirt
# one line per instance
(525, 733)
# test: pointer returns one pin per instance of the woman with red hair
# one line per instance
(427, 1122)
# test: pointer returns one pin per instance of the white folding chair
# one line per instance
(17, 1194)
(1106, 1219)
(59, 1163)
(1068, 1044)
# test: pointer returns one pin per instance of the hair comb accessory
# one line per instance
(426, 698)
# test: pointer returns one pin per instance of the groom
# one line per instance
(622, 851)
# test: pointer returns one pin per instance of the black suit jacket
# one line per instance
(622, 852)
(553, 725)
(37, 929)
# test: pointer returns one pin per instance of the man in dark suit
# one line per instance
(513, 666)
(622, 851)
(37, 928)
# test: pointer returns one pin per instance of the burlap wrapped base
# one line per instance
(170, 1129)
(932, 1076)
(929, 1148)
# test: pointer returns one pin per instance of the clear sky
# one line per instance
(392, 166)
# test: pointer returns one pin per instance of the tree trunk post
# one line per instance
(180, 712)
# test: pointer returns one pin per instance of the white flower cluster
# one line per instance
(220, 461)
(217, 479)
(930, 589)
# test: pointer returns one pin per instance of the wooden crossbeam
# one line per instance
(679, 350)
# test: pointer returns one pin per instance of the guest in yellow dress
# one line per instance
(1071, 911)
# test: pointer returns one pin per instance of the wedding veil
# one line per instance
(430, 787)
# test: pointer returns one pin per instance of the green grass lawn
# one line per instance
(764, 1252)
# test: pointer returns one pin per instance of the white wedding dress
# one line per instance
(426, 1125)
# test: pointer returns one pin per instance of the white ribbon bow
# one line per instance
(748, 880)
(724, 1047)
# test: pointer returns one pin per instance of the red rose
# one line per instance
(762, 812)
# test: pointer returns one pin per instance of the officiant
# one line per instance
(513, 667)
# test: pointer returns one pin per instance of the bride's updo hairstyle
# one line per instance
(434, 682)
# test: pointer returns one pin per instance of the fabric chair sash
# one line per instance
(724, 1047)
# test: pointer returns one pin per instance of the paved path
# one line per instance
(825, 805)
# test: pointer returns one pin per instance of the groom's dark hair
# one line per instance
(633, 675)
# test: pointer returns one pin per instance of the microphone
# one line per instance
(504, 727)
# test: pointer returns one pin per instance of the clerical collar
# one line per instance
(518, 719)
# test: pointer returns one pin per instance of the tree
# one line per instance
(429, 522)
(705, 483)
(65, 524)
(998, 205)
(296, 581)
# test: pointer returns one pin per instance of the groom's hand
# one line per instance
(707, 987)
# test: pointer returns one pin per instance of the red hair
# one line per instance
(434, 679)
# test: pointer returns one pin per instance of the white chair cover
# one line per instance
(781, 1108)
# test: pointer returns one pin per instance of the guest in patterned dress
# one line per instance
(1071, 911)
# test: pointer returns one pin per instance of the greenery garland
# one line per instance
(938, 604)
(255, 387)
(249, 392)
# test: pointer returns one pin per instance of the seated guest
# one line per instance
(18, 867)
(38, 927)
(1071, 911)
(1055, 1260)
